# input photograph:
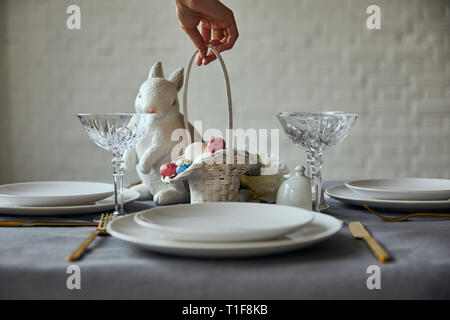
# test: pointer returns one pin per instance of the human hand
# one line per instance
(209, 15)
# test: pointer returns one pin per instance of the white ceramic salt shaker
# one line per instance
(296, 190)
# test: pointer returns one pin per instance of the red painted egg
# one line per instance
(168, 170)
(215, 144)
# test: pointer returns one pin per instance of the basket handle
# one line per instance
(227, 84)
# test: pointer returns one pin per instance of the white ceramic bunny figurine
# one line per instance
(160, 97)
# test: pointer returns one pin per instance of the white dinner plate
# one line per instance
(53, 193)
(102, 205)
(402, 188)
(126, 228)
(344, 194)
(224, 221)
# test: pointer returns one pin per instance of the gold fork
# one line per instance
(101, 229)
(404, 218)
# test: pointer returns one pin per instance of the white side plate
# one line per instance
(323, 227)
(344, 194)
(402, 188)
(129, 196)
(53, 193)
(224, 221)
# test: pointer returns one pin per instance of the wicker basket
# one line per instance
(217, 179)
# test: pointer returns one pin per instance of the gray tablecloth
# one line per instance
(32, 265)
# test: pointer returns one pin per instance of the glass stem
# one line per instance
(314, 160)
(117, 163)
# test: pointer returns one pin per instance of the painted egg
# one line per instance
(182, 167)
(168, 170)
(215, 144)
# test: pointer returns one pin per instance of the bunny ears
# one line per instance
(156, 71)
(177, 77)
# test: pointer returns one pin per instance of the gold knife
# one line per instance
(359, 232)
(46, 224)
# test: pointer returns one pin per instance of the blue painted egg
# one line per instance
(182, 167)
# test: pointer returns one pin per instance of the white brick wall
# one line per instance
(291, 56)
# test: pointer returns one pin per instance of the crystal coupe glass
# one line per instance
(116, 132)
(316, 132)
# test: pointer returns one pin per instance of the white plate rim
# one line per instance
(245, 245)
(141, 220)
(65, 210)
(50, 196)
(359, 199)
(352, 185)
